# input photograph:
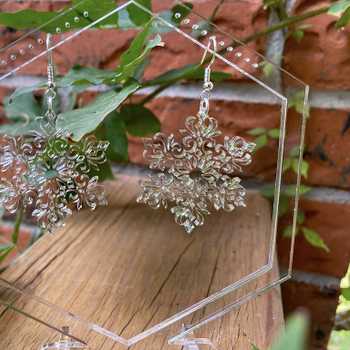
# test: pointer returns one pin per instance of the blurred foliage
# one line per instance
(294, 336)
(340, 337)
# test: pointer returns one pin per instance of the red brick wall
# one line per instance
(321, 59)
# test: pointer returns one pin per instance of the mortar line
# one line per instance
(232, 92)
(315, 279)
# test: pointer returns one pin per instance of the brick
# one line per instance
(327, 148)
(321, 58)
(331, 221)
(38, 5)
(321, 305)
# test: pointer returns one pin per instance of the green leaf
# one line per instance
(294, 337)
(340, 340)
(294, 152)
(135, 55)
(139, 121)
(104, 172)
(304, 167)
(298, 35)
(287, 164)
(301, 218)
(261, 141)
(95, 12)
(184, 9)
(290, 190)
(254, 347)
(288, 231)
(26, 90)
(283, 206)
(172, 17)
(29, 19)
(257, 131)
(344, 19)
(18, 128)
(79, 75)
(268, 69)
(274, 133)
(314, 239)
(339, 7)
(272, 3)
(345, 292)
(24, 107)
(297, 101)
(137, 14)
(5, 250)
(50, 21)
(268, 191)
(85, 120)
(115, 131)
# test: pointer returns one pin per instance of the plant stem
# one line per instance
(155, 93)
(216, 10)
(286, 23)
(18, 222)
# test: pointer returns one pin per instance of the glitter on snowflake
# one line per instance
(197, 174)
(48, 173)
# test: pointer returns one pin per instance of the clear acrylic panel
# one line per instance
(190, 280)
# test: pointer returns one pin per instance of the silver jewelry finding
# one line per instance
(46, 171)
(197, 174)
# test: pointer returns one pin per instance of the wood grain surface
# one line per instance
(127, 267)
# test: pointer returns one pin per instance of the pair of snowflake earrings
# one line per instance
(198, 173)
(48, 173)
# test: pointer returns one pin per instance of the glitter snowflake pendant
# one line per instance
(49, 173)
(197, 174)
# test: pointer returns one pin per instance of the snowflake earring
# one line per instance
(46, 171)
(197, 174)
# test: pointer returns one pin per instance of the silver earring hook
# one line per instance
(50, 93)
(214, 50)
(208, 85)
(50, 66)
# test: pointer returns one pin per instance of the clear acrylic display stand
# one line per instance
(182, 30)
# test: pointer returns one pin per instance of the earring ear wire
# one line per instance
(208, 84)
(50, 66)
(212, 43)
(51, 91)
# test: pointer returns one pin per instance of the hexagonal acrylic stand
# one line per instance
(192, 280)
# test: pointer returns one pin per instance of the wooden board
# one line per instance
(128, 267)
